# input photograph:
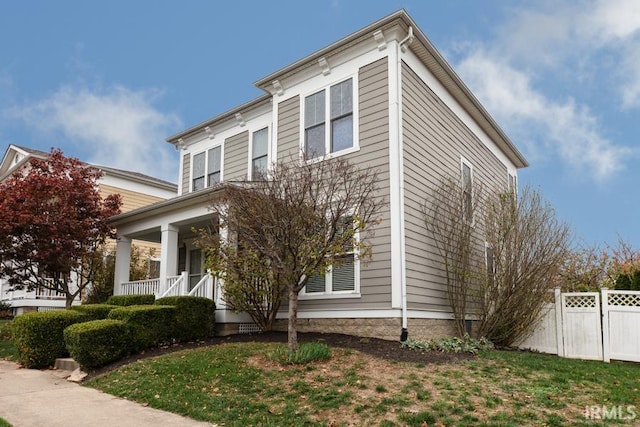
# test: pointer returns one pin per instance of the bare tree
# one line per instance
(501, 254)
(526, 248)
(291, 227)
(451, 217)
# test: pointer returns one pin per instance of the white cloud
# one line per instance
(581, 45)
(613, 20)
(118, 126)
(564, 128)
(573, 35)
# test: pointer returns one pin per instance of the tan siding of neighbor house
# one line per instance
(133, 200)
(434, 139)
(186, 172)
(236, 152)
(289, 128)
(373, 116)
(130, 199)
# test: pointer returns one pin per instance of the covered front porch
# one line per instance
(175, 224)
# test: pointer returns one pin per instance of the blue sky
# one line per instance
(108, 81)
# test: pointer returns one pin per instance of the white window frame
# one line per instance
(327, 123)
(487, 249)
(329, 293)
(512, 183)
(206, 166)
(250, 159)
(464, 162)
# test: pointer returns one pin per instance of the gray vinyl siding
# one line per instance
(373, 116)
(236, 155)
(289, 128)
(186, 172)
(434, 139)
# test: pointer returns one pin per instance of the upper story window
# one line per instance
(467, 190)
(198, 171)
(213, 166)
(206, 164)
(322, 136)
(260, 154)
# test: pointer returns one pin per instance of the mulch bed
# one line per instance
(384, 349)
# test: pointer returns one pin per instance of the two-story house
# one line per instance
(381, 97)
(136, 190)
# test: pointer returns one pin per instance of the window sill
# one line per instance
(334, 155)
(325, 295)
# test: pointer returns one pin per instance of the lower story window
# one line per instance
(337, 279)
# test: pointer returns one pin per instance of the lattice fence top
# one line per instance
(580, 301)
(624, 300)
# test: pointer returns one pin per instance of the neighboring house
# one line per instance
(382, 97)
(136, 189)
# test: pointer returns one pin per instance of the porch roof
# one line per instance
(164, 206)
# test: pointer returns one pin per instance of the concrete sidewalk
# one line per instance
(33, 398)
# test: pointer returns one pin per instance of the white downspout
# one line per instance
(403, 259)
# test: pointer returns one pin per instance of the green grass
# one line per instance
(4, 423)
(7, 350)
(240, 384)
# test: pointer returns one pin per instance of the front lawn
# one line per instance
(237, 384)
(7, 349)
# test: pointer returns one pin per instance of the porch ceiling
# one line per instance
(185, 230)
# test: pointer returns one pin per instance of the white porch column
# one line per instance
(123, 259)
(168, 258)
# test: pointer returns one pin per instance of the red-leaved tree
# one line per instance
(52, 224)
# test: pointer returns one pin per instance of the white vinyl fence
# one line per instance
(578, 326)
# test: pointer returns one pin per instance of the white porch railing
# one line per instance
(204, 288)
(39, 293)
(5, 293)
(140, 287)
(44, 293)
(175, 286)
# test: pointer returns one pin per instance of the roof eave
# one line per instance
(148, 180)
(455, 82)
(173, 139)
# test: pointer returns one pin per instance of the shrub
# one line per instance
(628, 282)
(126, 300)
(5, 310)
(150, 324)
(195, 317)
(97, 342)
(307, 352)
(5, 330)
(39, 336)
(466, 344)
(94, 311)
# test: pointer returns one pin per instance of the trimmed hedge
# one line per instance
(98, 342)
(195, 317)
(39, 336)
(150, 324)
(94, 311)
(127, 300)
